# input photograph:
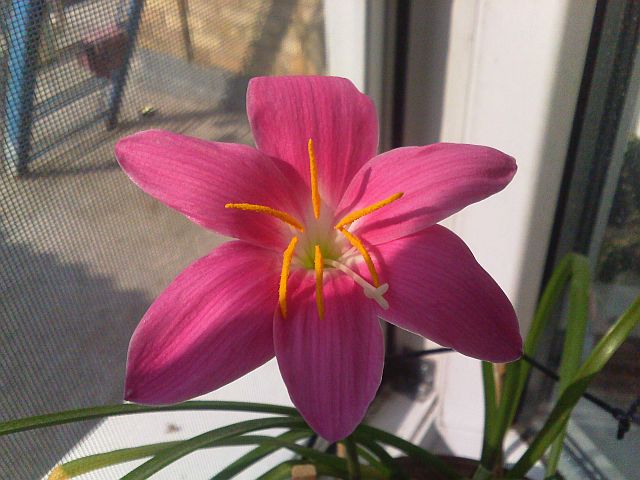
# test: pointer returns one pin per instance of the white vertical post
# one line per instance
(513, 76)
(345, 29)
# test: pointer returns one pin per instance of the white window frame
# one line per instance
(513, 73)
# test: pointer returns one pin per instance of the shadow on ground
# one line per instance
(64, 335)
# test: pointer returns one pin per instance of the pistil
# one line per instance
(357, 243)
(375, 293)
(316, 238)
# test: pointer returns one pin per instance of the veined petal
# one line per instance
(438, 290)
(332, 366)
(437, 181)
(198, 178)
(285, 112)
(213, 324)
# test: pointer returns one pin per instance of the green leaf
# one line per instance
(353, 465)
(258, 454)
(81, 414)
(516, 373)
(482, 473)
(490, 415)
(577, 318)
(97, 461)
(328, 463)
(279, 472)
(369, 459)
(389, 465)
(325, 463)
(600, 355)
(408, 448)
(283, 471)
(170, 455)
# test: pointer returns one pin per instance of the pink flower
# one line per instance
(329, 237)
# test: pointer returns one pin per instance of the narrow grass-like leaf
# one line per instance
(369, 459)
(387, 461)
(577, 318)
(490, 414)
(482, 473)
(170, 455)
(326, 462)
(330, 462)
(83, 465)
(516, 373)
(258, 454)
(97, 461)
(353, 465)
(412, 450)
(81, 414)
(283, 472)
(600, 355)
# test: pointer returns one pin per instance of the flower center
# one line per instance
(319, 245)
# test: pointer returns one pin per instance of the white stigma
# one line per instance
(374, 293)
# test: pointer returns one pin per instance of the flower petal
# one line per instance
(439, 291)
(213, 324)
(198, 178)
(332, 366)
(285, 112)
(437, 181)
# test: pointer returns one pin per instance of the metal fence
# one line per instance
(82, 251)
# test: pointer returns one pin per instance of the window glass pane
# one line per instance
(83, 251)
(599, 216)
(616, 285)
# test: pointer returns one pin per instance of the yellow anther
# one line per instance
(284, 276)
(353, 216)
(357, 243)
(284, 216)
(319, 265)
(313, 168)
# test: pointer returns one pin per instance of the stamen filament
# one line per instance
(318, 264)
(357, 243)
(284, 275)
(284, 216)
(313, 168)
(375, 293)
(353, 216)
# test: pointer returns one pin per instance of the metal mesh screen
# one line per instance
(82, 251)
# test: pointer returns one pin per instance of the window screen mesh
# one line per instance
(83, 252)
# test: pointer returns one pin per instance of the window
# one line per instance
(598, 214)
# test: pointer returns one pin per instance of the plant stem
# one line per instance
(577, 318)
(353, 464)
(490, 415)
(516, 374)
